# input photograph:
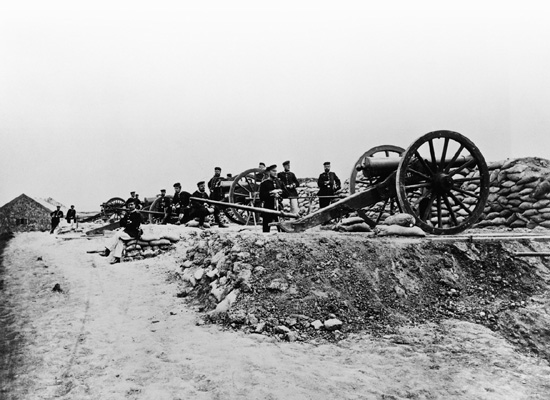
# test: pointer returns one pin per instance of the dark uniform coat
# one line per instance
(290, 182)
(328, 184)
(71, 214)
(216, 192)
(265, 192)
(131, 222)
(164, 203)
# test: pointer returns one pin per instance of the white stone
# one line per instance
(226, 303)
(332, 324)
(217, 257)
(199, 274)
(212, 274)
(317, 324)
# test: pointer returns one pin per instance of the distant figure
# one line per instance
(271, 191)
(164, 206)
(328, 184)
(291, 183)
(138, 202)
(180, 204)
(202, 210)
(131, 222)
(71, 216)
(56, 217)
(260, 176)
(132, 199)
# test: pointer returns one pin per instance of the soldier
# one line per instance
(291, 183)
(214, 185)
(131, 199)
(164, 206)
(180, 204)
(138, 202)
(56, 217)
(201, 210)
(260, 176)
(328, 184)
(71, 216)
(271, 191)
(131, 222)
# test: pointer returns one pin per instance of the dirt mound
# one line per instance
(327, 285)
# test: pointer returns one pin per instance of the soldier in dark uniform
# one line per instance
(328, 184)
(133, 199)
(71, 216)
(180, 204)
(138, 202)
(214, 185)
(164, 206)
(56, 217)
(291, 183)
(131, 222)
(271, 192)
(202, 210)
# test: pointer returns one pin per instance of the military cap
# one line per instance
(163, 190)
(217, 168)
(326, 163)
(177, 184)
(274, 166)
(132, 192)
(262, 163)
(200, 183)
(286, 163)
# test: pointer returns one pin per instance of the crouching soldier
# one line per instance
(131, 222)
(201, 209)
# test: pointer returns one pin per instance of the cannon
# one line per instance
(441, 179)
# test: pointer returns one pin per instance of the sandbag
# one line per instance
(160, 242)
(147, 237)
(362, 227)
(143, 243)
(386, 230)
(352, 220)
(133, 247)
(401, 219)
(171, 237)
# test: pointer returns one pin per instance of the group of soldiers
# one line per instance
(274, 187)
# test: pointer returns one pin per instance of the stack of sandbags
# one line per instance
(148, 245)
(352, 224)
(519, 194)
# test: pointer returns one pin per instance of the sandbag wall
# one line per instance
(148, 246)
(519, 194)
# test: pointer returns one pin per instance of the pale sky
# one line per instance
(101, 98)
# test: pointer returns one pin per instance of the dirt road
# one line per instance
(119, 332)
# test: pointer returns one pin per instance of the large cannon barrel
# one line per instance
(383, 167)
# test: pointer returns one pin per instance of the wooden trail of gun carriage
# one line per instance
(441, 179)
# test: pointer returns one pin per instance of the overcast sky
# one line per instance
(100, 99)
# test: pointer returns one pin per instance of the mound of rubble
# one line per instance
(328, 285)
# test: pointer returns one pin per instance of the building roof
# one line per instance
(49, 204)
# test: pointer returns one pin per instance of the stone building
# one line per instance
(24, 214)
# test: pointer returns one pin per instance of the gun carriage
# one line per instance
(441, 179)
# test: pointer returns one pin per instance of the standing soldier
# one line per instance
(271, 191)
(214, 185)
(328, 184)
(164, 206)
(56, 217)
(291, 183)
(71, 216)
(131, 199)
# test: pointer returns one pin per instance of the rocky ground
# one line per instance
(242, 315)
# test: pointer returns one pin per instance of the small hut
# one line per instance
(24, 214)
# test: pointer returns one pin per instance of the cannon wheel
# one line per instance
(245, 190)
(111, 205)
(446, 196)
(376, 211)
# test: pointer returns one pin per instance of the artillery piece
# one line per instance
(441, 179)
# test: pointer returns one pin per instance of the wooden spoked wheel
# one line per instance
(245, 190)
(361, 180)
(112, 206)
(443, 181)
